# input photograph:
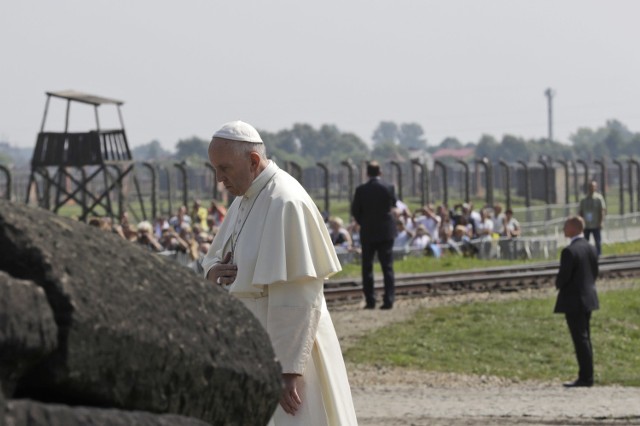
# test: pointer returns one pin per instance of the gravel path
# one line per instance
(401, 397)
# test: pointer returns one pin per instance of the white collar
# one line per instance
(577, 237)
(261, 180)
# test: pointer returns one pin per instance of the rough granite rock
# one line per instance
(33, 413)
(136, 331)
(27, 329)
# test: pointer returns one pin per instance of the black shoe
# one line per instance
(386, 306)
(369, 306)
(578, 384)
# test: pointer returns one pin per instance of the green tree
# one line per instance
(386, 132)
(306, 145)
(584, 141)
(389, 151)
(513, 149)
(192, 147)
(354, 147)
(487, 147)
(150, 151)
(614, 142)
(286, 140)
(311, 144)
(410, 136)
(625, 134)
(339, 146)
(585, 136)
(554, 150)
(633, 147)
(450, 143)
(283, 145)
(15, 156)
(611, 140)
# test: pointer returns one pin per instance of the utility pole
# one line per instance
(550, 93)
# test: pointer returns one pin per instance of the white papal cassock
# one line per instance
(284, 253)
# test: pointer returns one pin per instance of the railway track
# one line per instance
(498, 279)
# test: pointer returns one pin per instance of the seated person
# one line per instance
(146, 237)
(339, 235)
(181, 218)
(485, 225)
(421, 239)
(199, 215)
(216, 214)
(445, 230)
(404, 236)
(354, 232)
(187, 235)
(511, 224)
(460, 242)
(171, 241)
(426, 216)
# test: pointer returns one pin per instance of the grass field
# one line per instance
(415, 265)
(519, 339)
(422, 264)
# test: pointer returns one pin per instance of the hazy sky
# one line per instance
(458, 68)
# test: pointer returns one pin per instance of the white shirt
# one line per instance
(485, 228)
(431, 223)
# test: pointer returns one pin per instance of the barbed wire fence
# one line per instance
(541, 194)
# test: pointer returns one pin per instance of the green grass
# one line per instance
(422, 264)
(515, 339)
(630, 247)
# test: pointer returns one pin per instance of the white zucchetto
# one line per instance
(238, 131)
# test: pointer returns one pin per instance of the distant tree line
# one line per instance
(614, 140)
(307, 145)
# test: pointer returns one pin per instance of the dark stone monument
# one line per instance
(27, 329)
(134, 331)
(33, 413)
(2, 407)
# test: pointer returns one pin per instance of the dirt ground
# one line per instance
(401, 397)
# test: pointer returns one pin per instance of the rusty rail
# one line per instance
(499, 279)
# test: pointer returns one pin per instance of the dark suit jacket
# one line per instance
(371, 207)
(576, 278)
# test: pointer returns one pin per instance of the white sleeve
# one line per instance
(292, 321)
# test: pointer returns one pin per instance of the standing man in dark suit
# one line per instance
(577, 297)
(372, 208)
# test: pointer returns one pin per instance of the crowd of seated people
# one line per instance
(430, 230)
(460, 230)
(434, 230)
(189, 235)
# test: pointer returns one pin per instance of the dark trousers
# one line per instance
(579, 328)
(597, 238)
(385, 256)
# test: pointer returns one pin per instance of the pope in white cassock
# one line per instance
(273, 252)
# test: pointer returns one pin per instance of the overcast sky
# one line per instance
(458, 68)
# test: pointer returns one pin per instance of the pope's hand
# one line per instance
(290, 400)
(223, 273)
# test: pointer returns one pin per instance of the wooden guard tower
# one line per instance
(82, 167)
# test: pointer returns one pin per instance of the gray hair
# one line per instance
(249, 147)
